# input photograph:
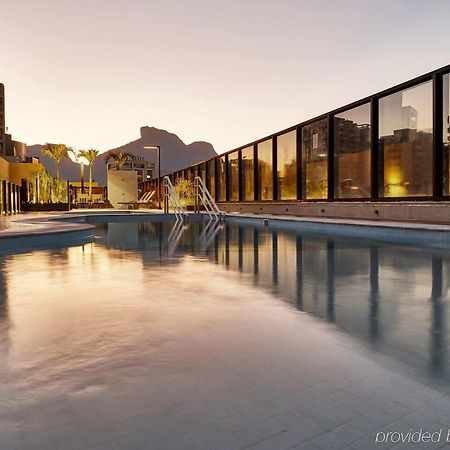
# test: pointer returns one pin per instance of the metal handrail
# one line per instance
(171, 198)
(202, 193)
(210, 231)
(175, 235)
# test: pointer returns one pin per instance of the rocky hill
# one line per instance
(175, 154)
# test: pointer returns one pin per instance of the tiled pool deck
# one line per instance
(276, 382)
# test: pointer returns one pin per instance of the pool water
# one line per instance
(231, 336)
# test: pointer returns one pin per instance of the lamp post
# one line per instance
(157, 147)
(82, 161)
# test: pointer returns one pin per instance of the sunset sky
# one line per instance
(90, 73)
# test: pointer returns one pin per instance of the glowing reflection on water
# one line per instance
(82, 320)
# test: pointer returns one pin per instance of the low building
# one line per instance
(138, 164)
(16, 168)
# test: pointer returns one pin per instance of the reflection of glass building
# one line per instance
(354, 285)
(389, 145)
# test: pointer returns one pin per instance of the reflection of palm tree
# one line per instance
(120, 158)
(91, 156)
(56, 152)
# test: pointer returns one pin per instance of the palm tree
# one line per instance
(56, 152)
(120, 158)
(91, 156)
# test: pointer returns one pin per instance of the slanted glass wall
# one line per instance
(211, 177)
(265, 170)
(221, 180)
(352, 158)
(202, 172)
(233, 176)
(287, 166)
(446, 134)
(315, 160)
(406, 142)
(248, 189)
(191, 173)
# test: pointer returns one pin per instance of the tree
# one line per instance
(185, 191)
(91, 156)
(120, 158)
(56, 152)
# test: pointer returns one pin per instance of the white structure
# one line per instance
(122, 187)
(138, 164)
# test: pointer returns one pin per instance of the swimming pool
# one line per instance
(221, 336)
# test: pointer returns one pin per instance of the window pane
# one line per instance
(221, 181)
(247, 173)
(202, 172)
(352, 153)
(287, 166)
(265, 171)
(315, 160)
(233, 176)
(406, 142)
(446, 134)
(211, 177)
(191, 174)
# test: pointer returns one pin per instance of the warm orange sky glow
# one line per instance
(90, 73)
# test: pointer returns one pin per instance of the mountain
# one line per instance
(175, 155)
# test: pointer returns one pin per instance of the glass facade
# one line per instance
(287, 166)
(202, 172)
(315, 160)
(248, 178)
(352, 157)
(221, 180)
(265, 170)
(192, 172)
(211, 177)
(406, 142)
(233, 176)
(405, 135)
(446, 134)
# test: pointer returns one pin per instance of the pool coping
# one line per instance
(422, 226)
(75, 225)
(384, 232)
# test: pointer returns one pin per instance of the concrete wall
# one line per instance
(122, 187)
(432, 212)
(17, 171)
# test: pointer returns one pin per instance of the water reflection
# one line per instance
(392, 298)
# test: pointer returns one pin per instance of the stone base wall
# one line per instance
(427, 212)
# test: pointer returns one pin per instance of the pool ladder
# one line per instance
(171, 199)
(203, 196)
